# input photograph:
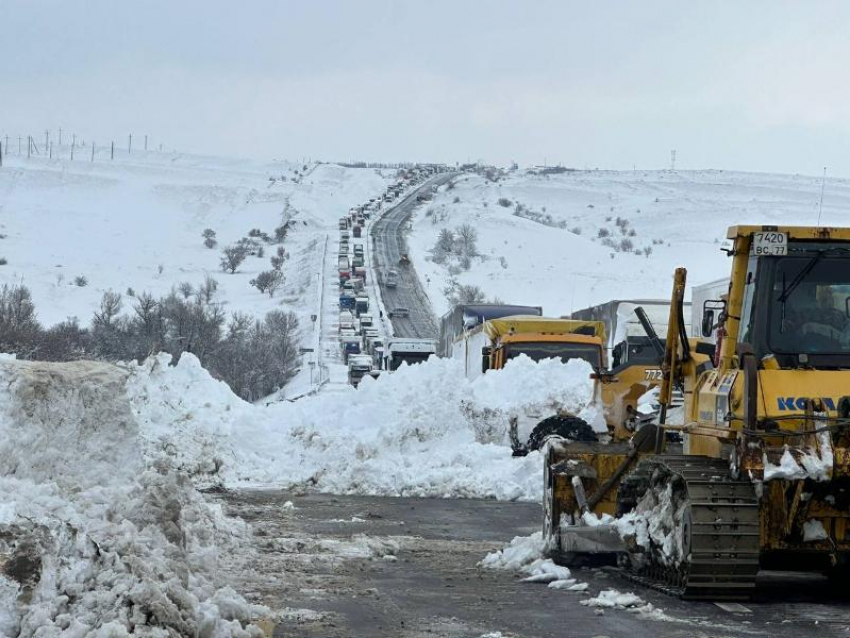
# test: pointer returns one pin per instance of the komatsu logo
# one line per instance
(799, 403)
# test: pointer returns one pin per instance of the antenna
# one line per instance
(822, 188)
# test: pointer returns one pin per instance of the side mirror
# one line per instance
(707, 323)
(486, 351)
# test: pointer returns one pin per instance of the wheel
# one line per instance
(567, 427)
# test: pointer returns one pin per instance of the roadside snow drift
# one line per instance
(95, 539)
(416, 432)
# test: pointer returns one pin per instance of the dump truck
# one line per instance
(463, 318)
(488, 344)
(495, 342)
(762, 474)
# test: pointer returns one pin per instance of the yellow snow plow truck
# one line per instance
(762, 476)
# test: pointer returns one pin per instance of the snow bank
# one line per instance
(414, 432)
(94, 538)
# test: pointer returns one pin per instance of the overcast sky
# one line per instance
(739, 85)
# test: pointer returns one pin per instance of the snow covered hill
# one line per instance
(136, 223)
(567, 240)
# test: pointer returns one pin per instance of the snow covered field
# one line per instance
(137, 223)
(549, 252)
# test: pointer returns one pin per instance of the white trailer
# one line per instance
(706, 299)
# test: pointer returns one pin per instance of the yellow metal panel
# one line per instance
(495, 328)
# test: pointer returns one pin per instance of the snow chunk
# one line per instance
(522, 551)
(813, 530)
(812, 465)
(613, 599)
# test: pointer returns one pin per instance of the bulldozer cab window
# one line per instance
(810, 306)
(554, 350)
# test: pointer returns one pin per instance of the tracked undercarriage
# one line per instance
(697, 528)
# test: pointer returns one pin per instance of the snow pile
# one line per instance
(92, 538)
(525, 555)
(812, 465)
(406, 433)
(525, 387)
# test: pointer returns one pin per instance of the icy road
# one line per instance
(344, 566)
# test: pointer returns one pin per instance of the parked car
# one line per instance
(398, 312)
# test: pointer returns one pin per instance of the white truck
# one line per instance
(410, 351)
(359, 365)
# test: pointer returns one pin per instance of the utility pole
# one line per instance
(60, 136)
(7, 145)
(19, 145)
(92, 151)
(74, 140)
(29, 146)
(130, 144)
(1, 154)
(72, 152)
(673, 160)
(112, 152)
(46, 139)
(146, 142)
(50, 151)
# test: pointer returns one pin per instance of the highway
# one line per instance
(389, 245)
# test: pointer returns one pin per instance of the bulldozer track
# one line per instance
(720, 530)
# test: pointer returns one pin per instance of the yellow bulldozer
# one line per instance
(760, 476)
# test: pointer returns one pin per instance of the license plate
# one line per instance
(770, 244)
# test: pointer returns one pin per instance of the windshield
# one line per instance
(555, 350)
(810, 302)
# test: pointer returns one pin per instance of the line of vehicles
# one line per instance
(364, 349)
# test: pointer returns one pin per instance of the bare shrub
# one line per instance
(268, 281)
(232, 258)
